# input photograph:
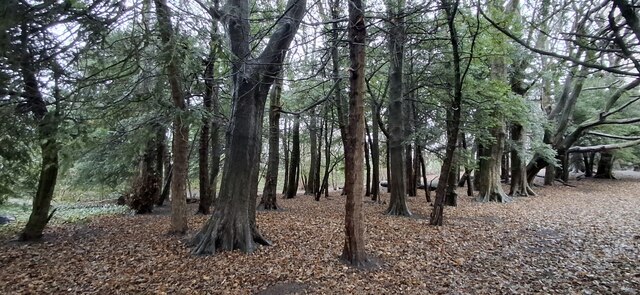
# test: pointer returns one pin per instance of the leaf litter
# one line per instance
(567, 240)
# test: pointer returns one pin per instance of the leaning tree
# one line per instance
(232, 224)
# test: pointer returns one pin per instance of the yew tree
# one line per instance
(232, 224)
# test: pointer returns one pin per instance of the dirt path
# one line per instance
(567, 240)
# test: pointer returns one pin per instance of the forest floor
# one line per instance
(566, 240)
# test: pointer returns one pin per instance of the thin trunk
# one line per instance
(375, 155)
(367, 164)
(453, 118)
(328, 138)
(203, 152)
(294, 167)
(423, 167)
(310, 188)
(269, 200)
(180, 124)
(285, 143)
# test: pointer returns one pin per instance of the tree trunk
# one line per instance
(285, 143)
(588, 163)
(159, 150)
(168, 168)
(180, 124)
(232, 225)
(310, 188)
(294, 167)
(354, 247)
(375, 155)
(490, 166)
(519, 184)
(451, 198)
(453, 118)
(269, 200)
(146, 183)
(367, 164)
(49, 147)
(328, 139)
(605, 166)
(397, 159)
(203, 151)
(423, 167)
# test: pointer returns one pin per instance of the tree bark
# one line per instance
(490, 166)
(519, 184)
(453, 118)
(203, 151)
(397, 133)
(605, 166)
(269, 200)
(49, 147)
(232, 224)
(367, 164)
(180, 124)
(375, 155)
(294, 165)
(310, 188)
(354, 247)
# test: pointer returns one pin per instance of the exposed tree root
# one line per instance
(398, 208)
(226, 234)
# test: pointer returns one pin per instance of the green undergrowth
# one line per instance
(66, 213)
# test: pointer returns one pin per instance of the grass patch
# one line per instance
(65, 213)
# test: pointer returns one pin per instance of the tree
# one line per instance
(269, 200)
(397, 171)
(36, 64)
(453, 116)
(294, 161)
(180, 146)
(231, 226)
(354, 247)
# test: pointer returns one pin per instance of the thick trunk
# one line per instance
(519, 184)
(232, 224)
(269, 200)
(490, 166)
(605, 166)
(354, 247)
(294, 165)
(146, 184)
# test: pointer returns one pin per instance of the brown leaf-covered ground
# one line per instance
(583, 240)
